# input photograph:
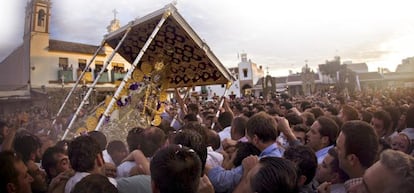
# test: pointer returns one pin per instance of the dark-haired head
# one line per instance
(13, 172)
(94, 183)
(28, 146)
(55, 161)
(83, 152)
(244, 149)
(175, 168)
(274, 174)
(100, 138)
(193, 140)
(305, 159)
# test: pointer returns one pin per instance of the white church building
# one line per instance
(247, 74)
(40, 63)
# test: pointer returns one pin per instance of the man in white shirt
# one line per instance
(213, 143)
(225, 120)
(85, 158)
(147, 140)
(116, 151)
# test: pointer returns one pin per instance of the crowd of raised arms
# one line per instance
(305, 144)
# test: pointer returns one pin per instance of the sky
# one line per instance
(278, 35)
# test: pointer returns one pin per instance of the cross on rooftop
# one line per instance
(115, 12)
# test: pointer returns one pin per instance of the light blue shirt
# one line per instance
(135, 184)
(167, 117)
(225, 133)
(409, 132)
(226, 180)
(70, 184)
(272, 151)
(123, 170)
(322, 153)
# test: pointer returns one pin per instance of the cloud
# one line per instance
(278, 34)
(12, 22)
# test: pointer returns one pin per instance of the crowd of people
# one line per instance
(303, 144)
(36, 120)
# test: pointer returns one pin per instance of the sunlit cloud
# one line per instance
(277, 34)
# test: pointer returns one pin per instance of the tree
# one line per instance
(330, 68)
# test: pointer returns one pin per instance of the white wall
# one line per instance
(46, 64)
(219, 90)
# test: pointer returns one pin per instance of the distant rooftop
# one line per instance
(62, 46)
(369, 76)
(358, 67)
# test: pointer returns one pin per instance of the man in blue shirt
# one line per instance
(261, 131)
(322, 136)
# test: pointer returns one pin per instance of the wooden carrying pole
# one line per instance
(72, 121)
(221, 102)
(133, 66)
(179, 110)
(76, 84)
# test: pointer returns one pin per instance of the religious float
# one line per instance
(164, 52)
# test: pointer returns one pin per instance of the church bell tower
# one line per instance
(36, 38)
(37, 17)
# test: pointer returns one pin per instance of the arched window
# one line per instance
(41, 18)
(245, 72)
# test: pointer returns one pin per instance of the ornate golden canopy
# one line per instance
(188, 61)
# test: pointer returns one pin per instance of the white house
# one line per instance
(247, 73)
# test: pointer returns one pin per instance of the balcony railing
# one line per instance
(67, 75)
(87, 77)
(117, 75)
(104, 77)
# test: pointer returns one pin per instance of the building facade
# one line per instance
(247, 74)
(41, 63)
(407, 65)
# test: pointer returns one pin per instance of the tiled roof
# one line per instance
(358, 67)
(398, 75)
(277, 80)
(294, 78)
(367, 76)
(62, 46)
(288, 79)
(280, 79)
(234, 69)
(298, 78)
